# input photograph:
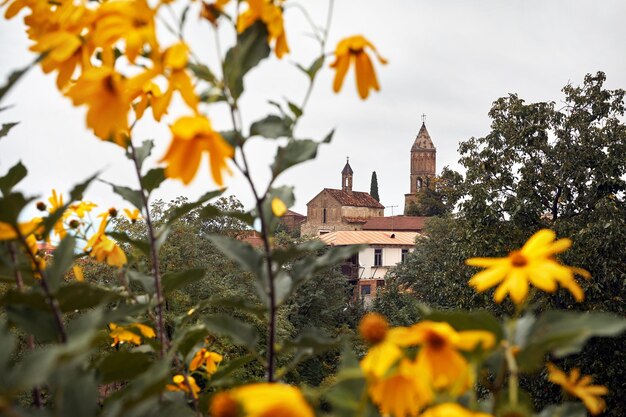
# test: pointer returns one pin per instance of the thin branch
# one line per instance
(30, 339)
(156, 273)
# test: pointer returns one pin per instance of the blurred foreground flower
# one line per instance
(272, 16)
(353, 49)
(259, 400)
(205, 358)
(131, 333)
(190, 386)
(451, 410)
(534, 264)
(579, 387)
(193, 135)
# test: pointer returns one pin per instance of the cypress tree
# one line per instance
(374, 187)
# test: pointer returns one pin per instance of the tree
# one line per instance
(540, 166)
(439, 197)
(374, 187)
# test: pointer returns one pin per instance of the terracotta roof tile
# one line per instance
(369, 237)
(400, 223)
(354, 198)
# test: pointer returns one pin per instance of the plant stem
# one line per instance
(512, 364)
(156, 273)
(30, 339)
(52, 302)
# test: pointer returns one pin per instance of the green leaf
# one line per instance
(76, 194)
(141, 245)
(295, 109)
(239, 332)
(271, 127)
(228, 368)
(251, 48)
(153, 179)
(316, 66)
(15, 77)
(295, 152)
(304, 268)
(175, 280)
(82, 296)
(142, 152)
(203, 72)
(347, 396)
(123, 365)
(232, 137)
(7, 344)
(313, 339)
(6, 127)
(39, 323)
(11, 205)
(563, 333)
(146, 281)
(16, 174)
(245, 255)
(329, 136)
(128, 194)
(77, 394)
(186, 338)
(63, 258)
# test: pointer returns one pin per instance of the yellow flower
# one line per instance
(65, 42)
(181, 385)
(261, 400)
(534, 264)
(78, 273)
(8, 232)
(278, 207)
(272, 16)
(82, 207)
(133, 215)
(122, 334)
(439, 357)
(451, 410)
(56, 203)
(103, 90)
(175, 63)
(579, 387)
(150, 95)
(402, 391)
(205, 358)
(373, 328)
(104, 248)
(132, 21)
(353, 49)
(193, 136)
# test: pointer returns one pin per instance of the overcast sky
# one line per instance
(448, 59)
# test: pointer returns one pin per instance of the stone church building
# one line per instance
(347, 210)
(344, 209)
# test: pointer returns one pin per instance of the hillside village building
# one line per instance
(367, 269)
(347, 217)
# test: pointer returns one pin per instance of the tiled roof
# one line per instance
(368, 237)
(354, 198)
(347, 169)
(400, 223)
(293, 213)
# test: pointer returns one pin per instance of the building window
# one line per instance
(405, 253)
(380, 283)
(419, 184)
(324, 215)
(378, 257)
(366, 289)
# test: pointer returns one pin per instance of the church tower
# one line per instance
(423, 165)
(346, 177)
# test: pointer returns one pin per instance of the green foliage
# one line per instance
(374, 186)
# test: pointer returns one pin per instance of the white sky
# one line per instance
(448, 59)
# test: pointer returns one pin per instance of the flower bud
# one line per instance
(113, 212)
(41, 206)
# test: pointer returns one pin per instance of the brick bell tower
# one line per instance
(423, 165)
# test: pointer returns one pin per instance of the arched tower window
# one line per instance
(324, 215)
(419, 184)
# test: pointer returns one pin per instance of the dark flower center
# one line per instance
(517, 259)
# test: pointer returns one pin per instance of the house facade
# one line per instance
(382, 251)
